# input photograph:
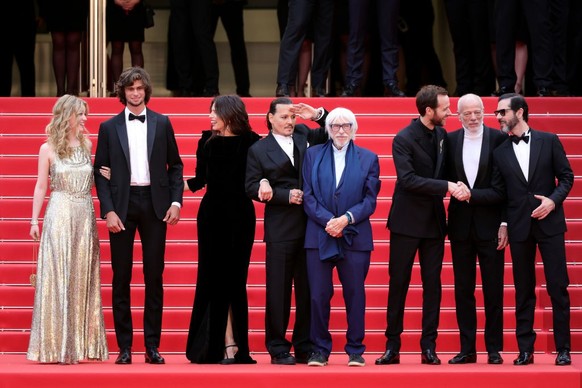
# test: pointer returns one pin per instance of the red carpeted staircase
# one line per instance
(22, 123)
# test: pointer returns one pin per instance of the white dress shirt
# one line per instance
(522, 154)
(137, 138)
(286, 143)
(471, 154)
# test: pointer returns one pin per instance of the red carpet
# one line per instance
(22, 123)
(178, 372)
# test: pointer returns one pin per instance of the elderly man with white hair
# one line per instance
(476, 229)
(340, 183)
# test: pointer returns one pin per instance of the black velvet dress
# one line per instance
(226, 231)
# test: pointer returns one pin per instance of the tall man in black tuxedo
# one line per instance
(476, 229)
(143, 193)
(274, 177)
(417, 220)
(538, 178)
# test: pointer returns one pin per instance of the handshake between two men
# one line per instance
(460, 191)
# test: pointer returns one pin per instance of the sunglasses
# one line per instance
(501, 112)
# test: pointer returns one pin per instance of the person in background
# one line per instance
(301, 16)
(341, 183)
(274, 177)
(18, 37)
(475, 229)
(537, 178)
(67, 30)
(143, 192)
(387, 12)
(67, 318)
(297, 88)
(226, 231)
(468, 23)
(125, 20)
(231, 14)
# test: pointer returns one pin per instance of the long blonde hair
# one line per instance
(59, 128)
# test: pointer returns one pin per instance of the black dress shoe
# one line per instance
(389, 357)
(282, 91)
(210, 92)
(283, 358)
(152, 356)
(391, 90)
(124, 356)
(524, 358)
(318, 92)
(494, 358)
(502, 90)
(350, 90)
(429, 357)
(544, 92)
(563, 358)
(464, 358)
(302, 358)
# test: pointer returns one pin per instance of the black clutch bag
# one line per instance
(149, 15)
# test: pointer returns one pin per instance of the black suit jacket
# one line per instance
(266, 159)
(165, 165)
(483, 212)
(547, 163)
(417, 204)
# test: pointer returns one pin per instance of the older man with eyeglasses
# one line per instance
(340, 183)
(476, 230)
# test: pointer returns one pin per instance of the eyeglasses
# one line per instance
(345, 126)
(477, 113)
(501, 112)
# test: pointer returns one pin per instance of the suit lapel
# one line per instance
(301, 144)
(459, 165)
(276, 153)
(440, 137)
(152, 125)
(420, 137)
(512, 161)
(535, 148)
(121, 130)
(484, 156)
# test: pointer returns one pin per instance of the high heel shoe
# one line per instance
(228, 360)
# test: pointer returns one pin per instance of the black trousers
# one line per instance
(231, 15)
(301, 14)
(387, 12)
(19, 43)
(491, 264)
(191, 21)
(152, 231)
(286, 266)
(553, 252)
(403, 249)
(469, 29)
(538, 23)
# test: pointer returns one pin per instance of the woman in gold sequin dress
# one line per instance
(67, 320)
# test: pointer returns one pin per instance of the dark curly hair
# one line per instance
(128, 77)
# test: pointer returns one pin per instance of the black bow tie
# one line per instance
(140, 118)
(517, 139)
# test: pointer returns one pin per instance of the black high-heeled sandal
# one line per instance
(228, 360)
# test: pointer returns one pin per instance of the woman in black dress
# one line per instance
(226, 231)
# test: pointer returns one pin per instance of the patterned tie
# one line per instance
(140, 118)
(517, 139)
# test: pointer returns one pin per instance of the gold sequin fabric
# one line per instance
(67, 320)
